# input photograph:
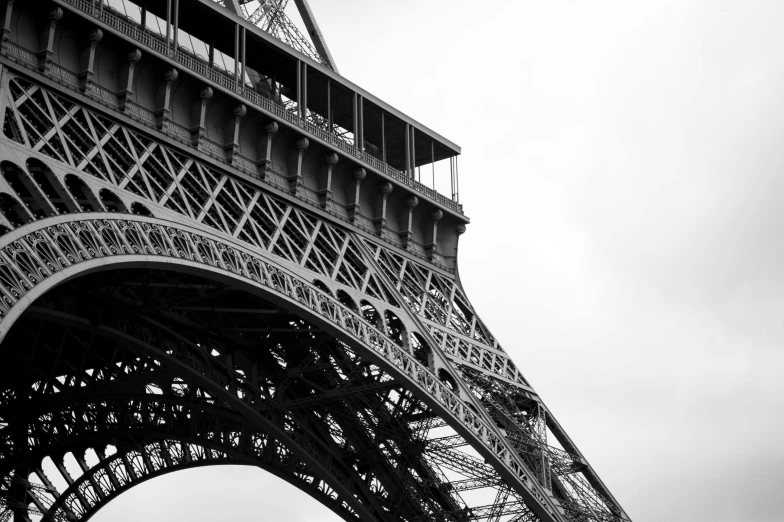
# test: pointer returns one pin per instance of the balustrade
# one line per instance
(227, 80)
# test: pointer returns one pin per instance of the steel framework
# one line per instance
(194, 273)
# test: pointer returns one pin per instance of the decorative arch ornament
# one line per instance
(202, 208)
(46, 253)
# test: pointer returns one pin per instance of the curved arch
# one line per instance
(67, 508)
(103, 242)
(446, 378)
(82, 194)
(422, 350)
(347, 301)
(157, 452)
(58, 197)
(16, 214)
(369, 313)
(26, 190)
(111, 201)
(230, 423)
(321, 285)
(394, 327)
(140, 210)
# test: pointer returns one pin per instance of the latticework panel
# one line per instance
(125, 159)
(438, 406)
(330, 421)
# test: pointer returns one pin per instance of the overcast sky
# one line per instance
(622, 167)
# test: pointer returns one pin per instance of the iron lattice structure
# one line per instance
(270, 16)
(201, 266)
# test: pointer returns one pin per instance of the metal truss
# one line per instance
(270, 16)
(68, 245)
(123, 387)
(127, 160)
(370, 355)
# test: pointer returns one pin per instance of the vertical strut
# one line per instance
(315, 33)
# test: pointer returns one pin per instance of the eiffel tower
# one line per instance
(214, 250)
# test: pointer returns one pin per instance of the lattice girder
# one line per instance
(84, 188)
(166, 423)
(155, 236)
(304, 242)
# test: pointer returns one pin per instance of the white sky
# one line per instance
(622, 167)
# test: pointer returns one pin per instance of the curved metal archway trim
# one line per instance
(103, 481)
(46, 253)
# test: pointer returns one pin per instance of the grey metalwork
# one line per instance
(201, 266)
(270, 16)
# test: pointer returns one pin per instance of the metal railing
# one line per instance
(228, 81)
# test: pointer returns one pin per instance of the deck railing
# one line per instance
(228, 81)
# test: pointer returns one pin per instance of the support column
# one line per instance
(126, 78)
(18, 493)
(433, 162)
(162, 111)
(242, 59)
(329, 105)
(9, 11)
(176, 25)
(431, 247)
(236, 56)
(380, 217)
(412, 135)
(355, 110)
(299, 90)
(87, 60)
(295, 175)
(455, 179)
(325, 180)
(232, 147)
(304, 91)
(199, 116)
(265, 164)
(353, 206)
(361, 122)
(168, 26)
(407, 234)
(408, 151)
(383, 139)
(46, 39)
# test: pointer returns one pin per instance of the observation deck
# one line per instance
(204, 39)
